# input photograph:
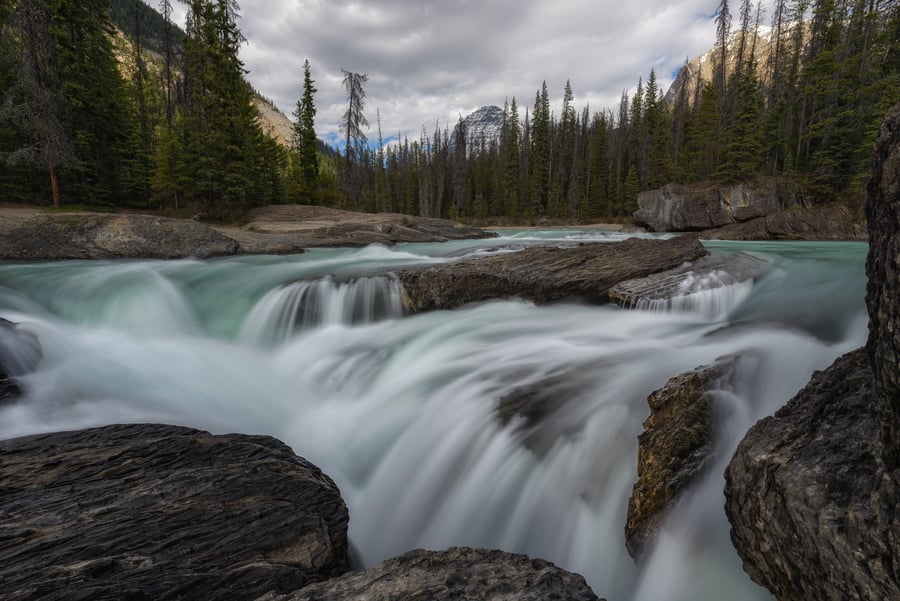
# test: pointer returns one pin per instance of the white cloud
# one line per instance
(431, 60)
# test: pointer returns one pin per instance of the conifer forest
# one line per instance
(110, 103)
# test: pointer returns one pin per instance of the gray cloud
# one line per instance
(430, 61)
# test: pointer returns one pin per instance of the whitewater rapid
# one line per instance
(402, 410)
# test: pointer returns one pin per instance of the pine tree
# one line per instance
(34, 103)
(95, 99)
(539, 166)
(304, 139)
(511, 162)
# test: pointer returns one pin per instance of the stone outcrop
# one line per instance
(706, 273)
(797, 223)
(681, 208)
(812, 492)
(676, 446)
(76, 236)
(544, 274)
(163, 512)
(277, 229)
(458, 573)
(282, 229)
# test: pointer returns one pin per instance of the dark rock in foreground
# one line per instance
(544, 274)
(813, 492)
(883, 291)
(799, 494)
(76, 236)
(163, 512)
(676, 446)
(818, 223)
(681, 208)
(706, 273)
(455, 574)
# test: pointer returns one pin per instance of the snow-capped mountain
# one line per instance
(485, 124)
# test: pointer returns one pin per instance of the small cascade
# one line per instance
(711, 286)
(704, 295)
(307, 304)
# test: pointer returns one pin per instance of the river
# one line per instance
(402, 410)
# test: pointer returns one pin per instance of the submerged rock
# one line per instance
(681, 208)
(544, 274)
(671, 288)
(812, 493)
(20, 353)
(163, 512)
(676, 446)
(451, 575)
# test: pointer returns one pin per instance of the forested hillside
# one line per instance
(165, 120)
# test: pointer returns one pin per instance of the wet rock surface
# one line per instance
(676, 446)
(544, 274)
(163, 512)
(454, 574)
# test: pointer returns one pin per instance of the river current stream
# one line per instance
(402, 411)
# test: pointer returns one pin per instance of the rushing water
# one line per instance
(402, 411)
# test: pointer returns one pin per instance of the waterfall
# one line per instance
(407, 414)
(305, 304)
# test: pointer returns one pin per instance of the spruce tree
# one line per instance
(304, 139)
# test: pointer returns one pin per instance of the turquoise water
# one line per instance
(401, 410)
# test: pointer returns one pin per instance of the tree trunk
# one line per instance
(54, 185)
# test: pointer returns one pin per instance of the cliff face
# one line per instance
(678, 208)
(812, 492)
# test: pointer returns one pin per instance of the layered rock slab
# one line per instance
(163, 512)
(544, 274)
(451, 575)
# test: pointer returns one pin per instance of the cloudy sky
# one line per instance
(429, 61)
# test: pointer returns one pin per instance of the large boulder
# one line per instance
(813, 492)
(680, 208)
(163, 512)
(77, 236)
(544, 274)
(799, 493)
(676, 446)
(456, 574)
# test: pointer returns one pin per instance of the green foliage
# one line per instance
(304, 143)
(69, 116)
